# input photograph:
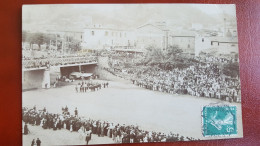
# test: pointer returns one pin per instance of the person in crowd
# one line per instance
(85, 87)
(33, 142)
(98, 129)
(66, 109)
(76, 112)
(44, 109)
(71, 127)
(88, 136)
(102, 128)
(132, 136)
(76, 88)
(26, 129)
(81, 132)
(38, 142)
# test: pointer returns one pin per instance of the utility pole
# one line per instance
(56, 42)
(50, 45)
(62, 46)
(225, 27)
(166, 40)
(166, 37)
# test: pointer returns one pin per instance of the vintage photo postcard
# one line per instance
(129, 73)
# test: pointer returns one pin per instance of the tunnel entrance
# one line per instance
(66, 71)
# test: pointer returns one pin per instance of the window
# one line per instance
(188, 45)
(106, 33)
(93, 33)
(211, 43)
(120, 34)
(202, 39)
(125, 34)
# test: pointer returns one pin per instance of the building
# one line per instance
(220, 45)
(186, 43)
(185, 40)
(99, 37)
(150, 35)
(64, 38)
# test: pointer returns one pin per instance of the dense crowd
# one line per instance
(37, 63)
(120, 133)
(200, 79)
(31, 59)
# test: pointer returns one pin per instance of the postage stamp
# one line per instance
(219, 120)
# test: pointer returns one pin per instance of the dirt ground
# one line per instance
(124, 103)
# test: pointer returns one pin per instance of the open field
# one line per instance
(123, 103)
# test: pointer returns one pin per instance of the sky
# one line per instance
(78, 16)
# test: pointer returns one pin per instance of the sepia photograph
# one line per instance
(129, 73)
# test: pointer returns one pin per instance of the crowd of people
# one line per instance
(90, 86)
(37, 59)
(37, 63)
(120, 133)
(202, 79)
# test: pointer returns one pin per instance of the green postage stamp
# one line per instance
(219, 120)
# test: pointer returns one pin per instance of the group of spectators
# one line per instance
(120, 133)
(200, 80)
(90, 86)
(204, 78)
(31, 61)
(37, 63)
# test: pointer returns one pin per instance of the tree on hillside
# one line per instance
(153, 56)
(171, 58)
(74, 45)
(24, 35)
(231, 69)
(37, 38)
(173, 53)
(174, 50)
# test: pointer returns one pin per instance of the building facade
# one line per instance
(150, 35)
(220, 45)
(96, 38)
(186, 43)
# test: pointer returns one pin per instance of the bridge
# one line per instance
(36, 64)
(42, 72)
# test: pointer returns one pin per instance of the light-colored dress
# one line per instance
(71, 128)
(81, 133)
